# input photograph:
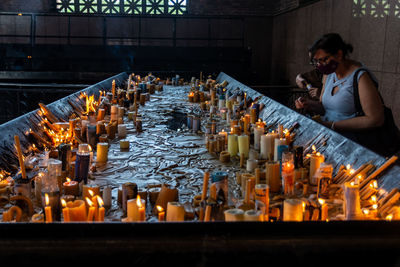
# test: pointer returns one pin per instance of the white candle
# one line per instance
(254, 215)
(258, 132)
(114, 113)
(244, 145)
(315, 161)
(234, 215)
(278, 142)
(251, 165)
(121, 131)
(267, 145)
(175, 212)
(351, 202)
(102, 152)
(293, 210)
(233, 144)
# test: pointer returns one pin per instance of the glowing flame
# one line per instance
(348, 166)
(68, 180)
(373, 198)
(389, 217)
(63, 203)
(159, 208)
(375, 184)
(352, 183)
(351, 171)
(314, 148)
(366, 211)
(321, 201)
(90, 203)
(138, 201)
(304, 206)
(91, 193)
(46, 198)
(375, 206)
(318, 154)
(100, 201)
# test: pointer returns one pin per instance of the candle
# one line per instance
(102, 152)
(280, 131)
(351, 201)
(101, 211)
(293, 210)
(277, 143)
(141, 209)
(114, 113)
(324, 209)
(161, 213)
(90, 190)
(288, 172)
(82, 163)
(315, 161)
(207, 215)
(77, 210)
(47, 210)
(113, 89)
(20, 156)
(107, 196)
(136, 209)
(267, 144)
(253, 215)
(175, 212)
(246, 123)
(65, 211)
(251, 165)
(272, 176)
(234, 215)
(92, 209)
(253, 115)
(124, 144)
(225, 135)
(121, 131)
(258, 132)
(121, 112)
(262, 195)
(244, 145)
(71, 187)
(233, 144)
(101, 113)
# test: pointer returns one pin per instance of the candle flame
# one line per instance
(375, 184)
(314, 148)
(46, 198)
(352, 171)
(100, 201)
(159, 208)
(304, 206)
(373, 198)
(348, 166)
(352, 183)
(90, 203)
(91, 193)
(68, 180)
(138, 201)
(366, 211)
(63, 203)
(318, 154)
(321, 201)
(389, 217)
(375, 206)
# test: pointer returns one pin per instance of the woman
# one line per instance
(336, 104)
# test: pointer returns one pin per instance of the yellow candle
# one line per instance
(77, 210)
(293, 210)
(102, 152)
(90, 216)
(244, 145)
(225, 135)
(113, 89)
(272, 176)
(175, 212)
(47, 210)
(233, 144)
(324, 209)
(65, 211)
(133, 212)
(101, 210)
(161, 213)
(141, 209)
(258, 132)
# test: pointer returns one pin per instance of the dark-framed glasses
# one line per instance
(321, 61)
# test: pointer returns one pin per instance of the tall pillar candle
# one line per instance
(278, 142)
(258, 132)
(262, 195)
(244, 145)
(267, 145)
(293, 210)
(114, 113)
(101, 113)
(272, 176)
(351, 202)
(233, 144)
(315, 161)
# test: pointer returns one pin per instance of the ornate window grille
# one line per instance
(376, 8)
(128, 7)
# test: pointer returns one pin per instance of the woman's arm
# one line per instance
(371, 105)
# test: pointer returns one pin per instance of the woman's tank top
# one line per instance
(339, 106)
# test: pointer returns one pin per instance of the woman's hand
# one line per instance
(300, 81)
(300, 103)
(313, 92)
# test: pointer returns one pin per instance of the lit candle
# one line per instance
(65, 211)
(258, 132)
(101, 211)
(244, 145)
(246, 121)
(315, 161)
(91, 213)
(324, 209)
(47, 209)
(288, 172)
(141, 209)
(133, 214)
(351, 201)
(233, 144)
(161, 213)
(267, 145)
(225, 135)
(71, 187)
(113, 89)
(94, 201)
